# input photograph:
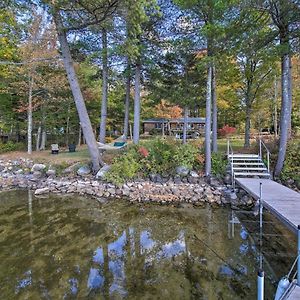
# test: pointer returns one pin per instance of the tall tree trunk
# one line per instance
(275, 123)
(38, 138)
(290, 89)
(214, 111)
(247, 124)
(127, 100)
(44, 138)
(137, 103)
(208, 124)
(29, 116)
(77, 95)
(285, 116)
(104, 87)
(79, 135)
(185, 124)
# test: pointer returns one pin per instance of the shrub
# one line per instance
(153, 157)
(10, 146)
(226, 131)
(186, 155)
(291, 167)
(124, 167)
(218, 164)
(160, 158)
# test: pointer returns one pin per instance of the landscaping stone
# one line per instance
(84, 171)
(38, 167)
(194, 174)
(41, 191)
(101, 173)
(51, 172)
(182, 171)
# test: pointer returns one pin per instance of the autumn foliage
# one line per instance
(168, 111)
(226, 130)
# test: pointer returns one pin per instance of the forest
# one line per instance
(87, 71)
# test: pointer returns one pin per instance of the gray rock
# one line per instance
(101, 173)
(227, 179)
(51, 172)
(38, 167)
(84, 171)
(71, 168)
(41, 191)
(20, 171)
(177, 180)
(233, 196)
(194, 174)
(182, 171)
(37, 174)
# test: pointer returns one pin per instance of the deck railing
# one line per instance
(230, 152)
(263, 148)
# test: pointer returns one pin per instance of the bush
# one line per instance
(226, 131)
(124, 167)
(218, 164)
(10, 146)
(154, 157)
(291, 167)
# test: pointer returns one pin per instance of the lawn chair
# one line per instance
(54, 149)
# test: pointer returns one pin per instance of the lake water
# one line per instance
(68, 247)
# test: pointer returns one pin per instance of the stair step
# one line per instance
(243, 155)
(248, 163)
(246, 159)
(250, 169)
(250, 174)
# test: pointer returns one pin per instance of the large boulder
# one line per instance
(101, 173)
(84, 170)
(38, 168)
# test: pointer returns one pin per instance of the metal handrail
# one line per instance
(261, 146)
(230, 151)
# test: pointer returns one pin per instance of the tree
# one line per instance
(76, 91)
(284, 15)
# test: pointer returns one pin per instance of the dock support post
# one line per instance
(260, 206)
(260, 285)
(298, 262)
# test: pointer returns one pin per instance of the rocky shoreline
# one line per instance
(193, 189)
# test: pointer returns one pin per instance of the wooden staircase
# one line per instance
(249, 165)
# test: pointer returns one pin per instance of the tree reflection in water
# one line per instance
(71, 247)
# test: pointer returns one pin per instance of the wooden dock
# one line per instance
(283, 202)
(295, 294)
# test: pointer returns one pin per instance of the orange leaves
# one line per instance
(168, 111)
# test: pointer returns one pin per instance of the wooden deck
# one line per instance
(283, 202)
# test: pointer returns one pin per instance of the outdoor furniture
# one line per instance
(72, 148)
(117, 144)
(54, 149)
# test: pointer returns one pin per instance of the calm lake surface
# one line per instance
(67, 247)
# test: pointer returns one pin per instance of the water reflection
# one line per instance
(75, 248)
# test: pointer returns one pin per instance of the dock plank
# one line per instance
(283, 202)
(295, 294)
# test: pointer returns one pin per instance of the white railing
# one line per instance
(230, 152)
(262, 148)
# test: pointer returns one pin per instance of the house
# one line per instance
(173, 126)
